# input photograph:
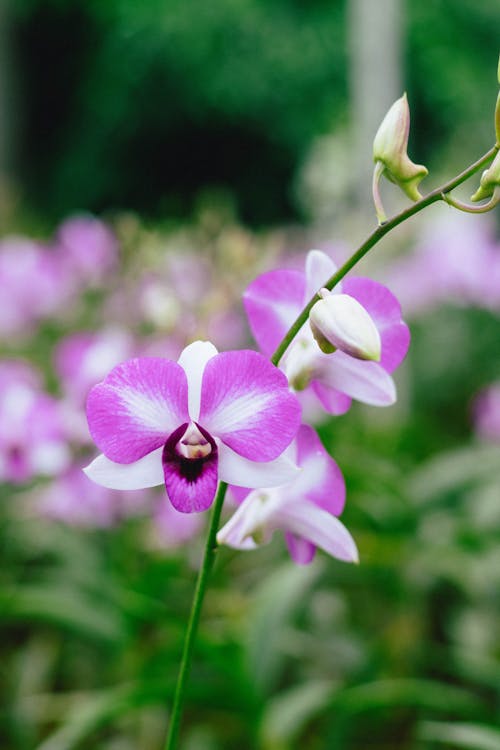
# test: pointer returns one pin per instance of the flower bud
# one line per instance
(490, 181)
(338, 321)
(390, 149)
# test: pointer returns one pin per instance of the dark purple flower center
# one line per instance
(187, 450)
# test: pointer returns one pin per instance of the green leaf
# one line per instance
(64, 608)
(452, 470)
(467, 736)
(427, 694)
(276, 601)
(288, 713)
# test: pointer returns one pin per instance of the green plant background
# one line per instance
(145, 109)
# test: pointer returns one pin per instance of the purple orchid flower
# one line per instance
(189, 424)
(274, 300)
(32, 436)
(304, 509)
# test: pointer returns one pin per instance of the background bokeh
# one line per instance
(154, 158)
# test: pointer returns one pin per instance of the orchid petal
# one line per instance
(239, 471)
(301, 550)
(319, 527)
(385, 310)
(319, 268)
(237, 532)
(191, 483)
(146, 472)
(245, 402)
(364, 381)
(272, 303)
(136, 407)
(193, 360)
(333, 401)
(320, 481)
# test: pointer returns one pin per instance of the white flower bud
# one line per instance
(390, 149)
(338, 321)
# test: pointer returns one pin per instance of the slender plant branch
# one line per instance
(467, 208)
(376, 236)
(194, 618)
(211, 542)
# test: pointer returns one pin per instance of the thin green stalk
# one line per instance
(194, 618)
(376, 236)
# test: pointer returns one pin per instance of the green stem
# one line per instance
(194, 618)
(376, 236)
(377, 199)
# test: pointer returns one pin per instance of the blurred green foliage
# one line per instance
(141, 105)
(400, 652)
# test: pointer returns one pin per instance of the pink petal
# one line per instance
(301, 551)
(332, 400)
(364, 381)
(146, 472)
(245, 402)
(191, 483)
(320, 481)
(239, 471)
(320, 528)
(193, 360)
(134, 409)
(385, 310)
(319, 268)
(272, 303)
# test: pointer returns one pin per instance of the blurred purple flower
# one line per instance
(487, 413)
(32, 439)
(173, 528)
(189, 424)
(305, 509)
(33, 285)
(73, 499)
(274, 300)
(83, 359)
(88, 249)
(454, 261)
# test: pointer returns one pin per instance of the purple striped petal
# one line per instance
(136, 407)
(272, 302)
(363, 381)
(385, 310)
(191, 483)
(320, 481)
(301, 551)
(245, 402)
(319, 268)
(333, 401)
